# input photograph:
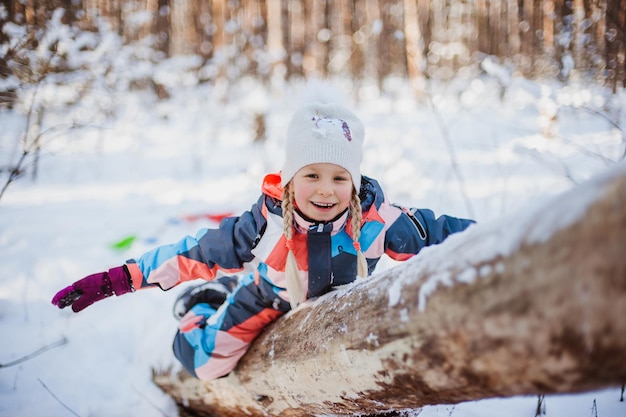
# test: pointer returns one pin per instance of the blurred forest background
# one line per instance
(79, 56)
(359, 39)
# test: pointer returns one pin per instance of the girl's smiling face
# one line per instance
(322, 191)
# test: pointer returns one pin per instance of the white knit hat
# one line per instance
(324, 133)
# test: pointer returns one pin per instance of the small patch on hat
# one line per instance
(329, 121)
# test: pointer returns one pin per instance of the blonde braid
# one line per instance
(293, 283)
(357, 217)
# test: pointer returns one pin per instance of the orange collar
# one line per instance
(272, 185)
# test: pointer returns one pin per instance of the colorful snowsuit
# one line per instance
(209, 342)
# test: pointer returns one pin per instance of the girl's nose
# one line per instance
(325, 190)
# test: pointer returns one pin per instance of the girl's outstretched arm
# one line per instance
(416, 228)
(227, 248)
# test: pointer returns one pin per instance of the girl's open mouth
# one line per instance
(323, 205)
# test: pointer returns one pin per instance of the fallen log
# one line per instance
(531, 304)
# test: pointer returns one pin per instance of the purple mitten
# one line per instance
(94, 288)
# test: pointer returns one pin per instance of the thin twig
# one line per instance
(591, 154)
(57, 398)
(599, 113)
(612, 122)
(145, 397)
(35, 145)
(594, 409)
(35, 353)
(541, 405)
(16, 172)
(21, 166)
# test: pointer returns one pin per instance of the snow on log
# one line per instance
(533, 303)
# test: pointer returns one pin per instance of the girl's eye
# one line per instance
(311, 176)
(339, 179)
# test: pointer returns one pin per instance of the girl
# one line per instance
(318, 224)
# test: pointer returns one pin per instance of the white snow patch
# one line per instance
(372, 339)
(404, 315)
(395, 293)
(467, 276)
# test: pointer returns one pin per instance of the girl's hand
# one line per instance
(92, 288)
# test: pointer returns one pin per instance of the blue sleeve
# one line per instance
(225, 248)
(417, 228)
(437, 229)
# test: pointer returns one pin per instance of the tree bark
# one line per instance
(534, 303)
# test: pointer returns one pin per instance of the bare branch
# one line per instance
(38, 352)
(57, 398)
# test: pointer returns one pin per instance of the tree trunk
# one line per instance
(534, 303)
(413, 44)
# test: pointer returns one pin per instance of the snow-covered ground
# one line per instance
(464, 151)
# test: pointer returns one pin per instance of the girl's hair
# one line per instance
(294, 285)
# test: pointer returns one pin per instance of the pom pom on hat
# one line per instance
(322, 132)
